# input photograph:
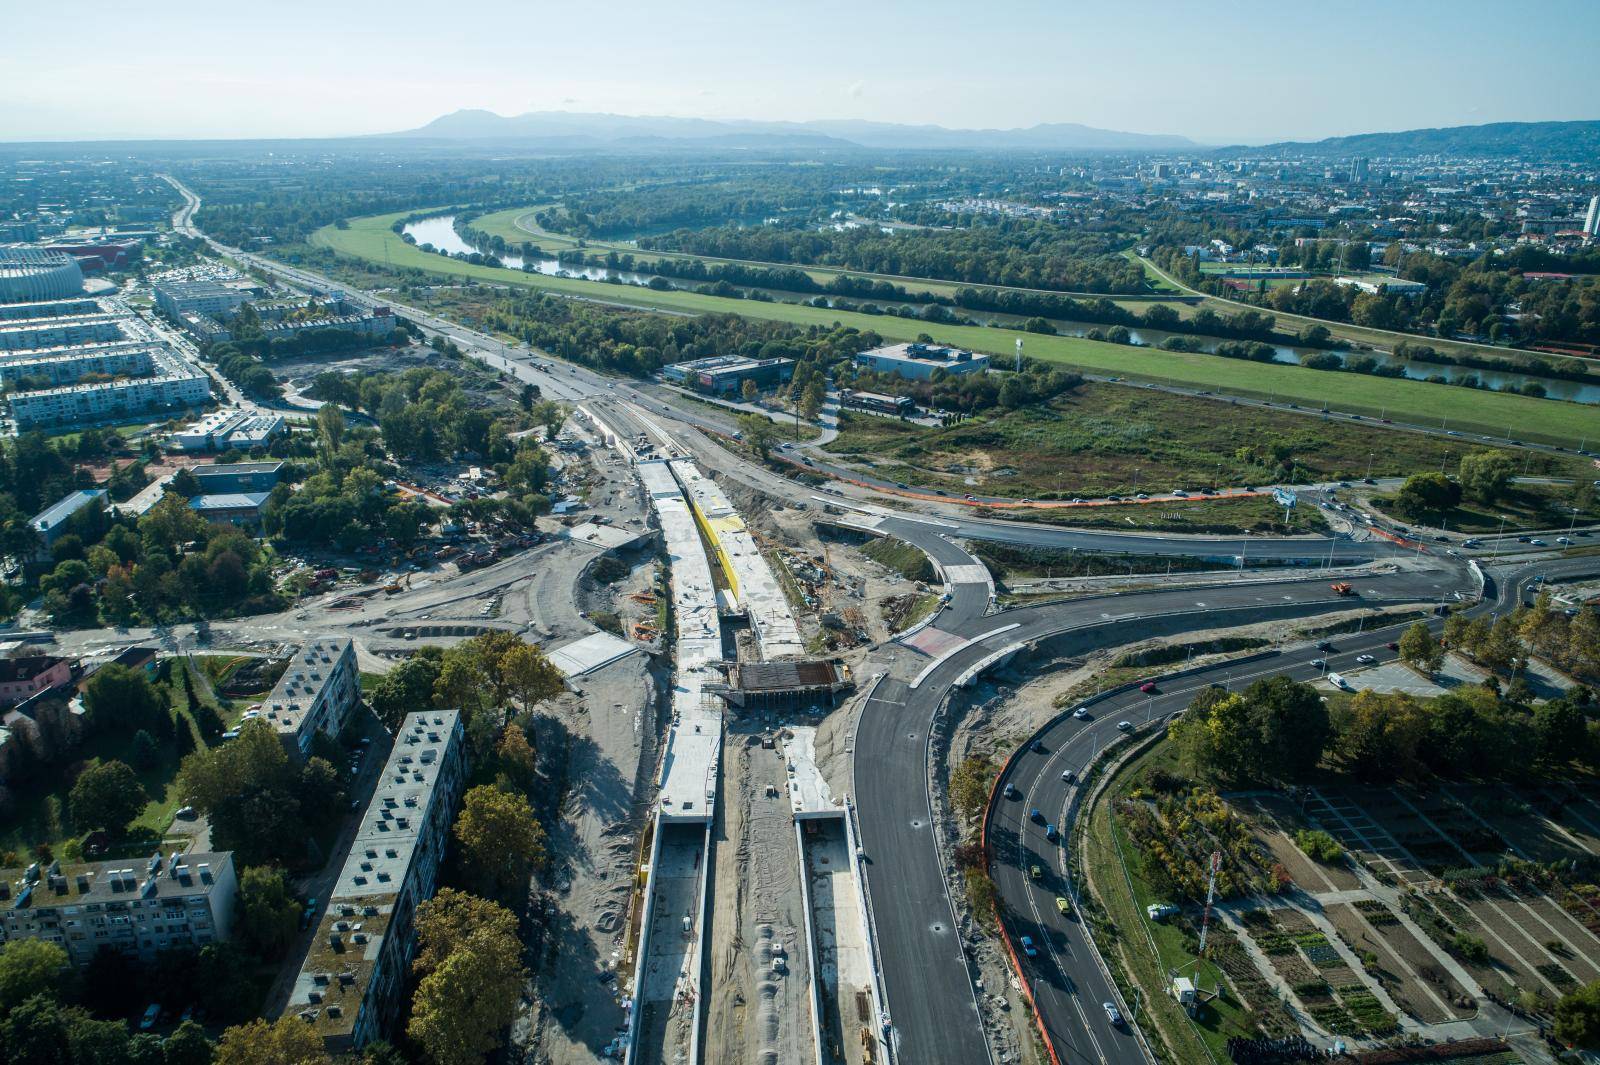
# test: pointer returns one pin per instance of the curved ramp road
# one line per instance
(1067, 982)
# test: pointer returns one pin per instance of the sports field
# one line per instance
(371, 239)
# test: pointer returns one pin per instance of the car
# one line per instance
(1025, 499)
(1081, 713)
(1524, 539)
(1035, 872)
(1079, 499)
(972, 499)
(1365, 660)
(1142, 495)
(1068, 776)
(1011, 792)
(1324, 645)
(186, 813)
(1035, 816)
(1536, 542)
(1038, 747)
(1148, 686)
(1124, 726)
(1319, 663)
(1368, 480)
(1027, 944)
(1063, 906)
(152, 1014)
(1180, 493)
(1112, 1014)
(1564, 540)
(1050, 833)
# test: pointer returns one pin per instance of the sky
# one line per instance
(1220, 71)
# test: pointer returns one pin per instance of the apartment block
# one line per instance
(315, 694)
(138, 908)
(351, 982)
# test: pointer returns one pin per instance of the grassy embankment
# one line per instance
(1525, 506)
(1102, 438)
(370, 239)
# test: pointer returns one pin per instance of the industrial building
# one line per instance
(721, 374)
(876, 402)
(140, 908)
(350, 985)
(225, 429)
(174, 386)
(919, 362)
(30, 274)
(315, 694)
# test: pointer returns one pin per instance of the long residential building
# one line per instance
(175, 386)
(139, 908)
(53, 332)
(351, 983)
(315, 694)
(71, 366)
(11, 312)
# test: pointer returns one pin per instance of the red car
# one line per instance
(1148, 686)
(1391, 645)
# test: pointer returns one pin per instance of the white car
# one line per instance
(1081, 714)
(1124, 726)
(1365, 660)
(1563, 540)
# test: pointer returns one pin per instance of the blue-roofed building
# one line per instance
(55, 521)
(236, 508)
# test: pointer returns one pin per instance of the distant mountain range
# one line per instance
(1539, 140)
(566, 129)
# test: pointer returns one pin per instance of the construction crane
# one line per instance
(1211, 897)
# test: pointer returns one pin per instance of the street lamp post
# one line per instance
(1370, 456)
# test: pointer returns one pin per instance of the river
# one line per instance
(440, 232)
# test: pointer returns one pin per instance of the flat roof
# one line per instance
(66, 507)
(589, 653)
(118, 880)
(302, 683)
(225, 469)
(230, 501)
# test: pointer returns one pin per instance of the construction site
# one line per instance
(751, 931)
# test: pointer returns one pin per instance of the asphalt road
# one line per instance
(1066, 979)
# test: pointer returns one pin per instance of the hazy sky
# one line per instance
(1218, 71)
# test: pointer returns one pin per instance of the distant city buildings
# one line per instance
(138, 908)
(315, 694)
(350, 985)
(919, 362)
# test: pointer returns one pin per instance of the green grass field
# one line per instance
(370, 239)
(1104, 438)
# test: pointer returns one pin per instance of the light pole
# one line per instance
(1498, 536)
(1443, 461)
(1136, 480)
(1370, 456)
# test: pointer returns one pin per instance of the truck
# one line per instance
(1342, 588)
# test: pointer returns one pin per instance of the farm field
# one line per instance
(1093, 441)
(369, 238)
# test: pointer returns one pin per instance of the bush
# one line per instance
(1470, 948)
(1319, 846)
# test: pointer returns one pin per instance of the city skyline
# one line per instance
(197, 73)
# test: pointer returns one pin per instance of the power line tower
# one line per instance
(1211, 897)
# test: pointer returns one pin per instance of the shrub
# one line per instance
(1319, 846)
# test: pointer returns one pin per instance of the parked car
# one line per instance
(186, 813)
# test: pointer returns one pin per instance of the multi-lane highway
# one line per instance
(929, 989)
(1067, 982)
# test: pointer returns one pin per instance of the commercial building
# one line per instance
(54, 332)
(55, 520)
(728, 373)
(1383, 286)
(315, 694)
(137, 908)
(919, 362)
(29, 274)
(222, 477)
(876, 401)
(178, 298)
(174, 386)
(226, 429)
(350, 985)
(232, 508)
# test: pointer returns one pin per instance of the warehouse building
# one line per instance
(919, 362)
(139, 908)
(721, 374)
(350, 987)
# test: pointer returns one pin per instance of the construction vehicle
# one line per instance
(1342, 588)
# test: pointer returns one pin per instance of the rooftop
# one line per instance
(230, 501)
(297, 690)
(66, 507)
(176, 876)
